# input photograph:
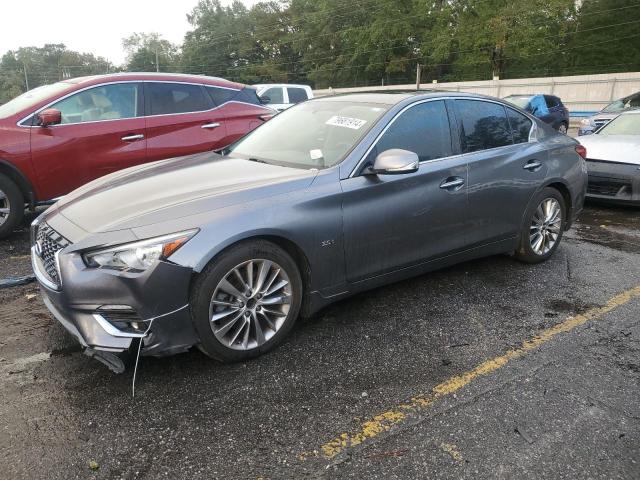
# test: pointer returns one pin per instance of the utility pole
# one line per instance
(418, 72)
(157, 64)
(26, 79)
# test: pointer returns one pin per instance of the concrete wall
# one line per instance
(581, 94)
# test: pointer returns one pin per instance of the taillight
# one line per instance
(580, 150)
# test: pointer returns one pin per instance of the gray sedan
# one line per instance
(614, 160)
(331, 197)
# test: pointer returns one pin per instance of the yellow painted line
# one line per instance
(452, 450)
(397, 415)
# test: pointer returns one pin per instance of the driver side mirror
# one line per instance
(394, 162)
(50, 116)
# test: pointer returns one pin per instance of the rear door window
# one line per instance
(483, 125)
(170, 98)
(275, 94)
(422, 129)
(297, 95)
(520, 126)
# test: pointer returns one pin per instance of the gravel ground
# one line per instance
(565, 409)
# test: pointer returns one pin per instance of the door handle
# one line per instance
(210, 125)
(452, 183)
(132, 138)
(532, 165)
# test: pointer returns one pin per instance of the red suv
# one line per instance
(57, 137)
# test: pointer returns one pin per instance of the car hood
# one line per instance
(613, 148)
(175, 188)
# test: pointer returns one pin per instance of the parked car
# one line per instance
(547, 108)
(283, 95)
(608, 113)
(614, 160)
(333, 196)
(57, 137)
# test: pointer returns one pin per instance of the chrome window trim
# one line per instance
(375, 142)
(19, 122)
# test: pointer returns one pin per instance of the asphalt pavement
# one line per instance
(489, 369)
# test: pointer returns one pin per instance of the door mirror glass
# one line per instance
(394, 162)
(50, 116)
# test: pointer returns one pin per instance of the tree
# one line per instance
(149, 52)
(35, 66)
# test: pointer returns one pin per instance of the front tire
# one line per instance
(245, 301)
(545, 221)
(11, 206)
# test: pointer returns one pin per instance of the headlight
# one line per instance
(138, 255)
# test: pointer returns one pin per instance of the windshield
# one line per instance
(632, 101)
(31, 98)
(622, 125)
(315, 134)
(521, 102)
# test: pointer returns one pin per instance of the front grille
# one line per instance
(610, 187)
(48, 243)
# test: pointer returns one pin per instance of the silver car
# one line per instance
(592, 124)
(331, 197)
(614, 160)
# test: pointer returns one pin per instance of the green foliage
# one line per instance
(148, 52)
(342, 43)
(44, 65)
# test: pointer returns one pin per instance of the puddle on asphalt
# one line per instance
(610, 226)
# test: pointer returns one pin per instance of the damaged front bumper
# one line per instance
(614, 182)
(110, 311)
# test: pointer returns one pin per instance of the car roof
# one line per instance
(153, 76)
(300, 85)
(392, 97)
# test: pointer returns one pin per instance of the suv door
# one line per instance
(277, 98)
(296, 95)
(102, 130)
(181, 120)
(505, 168)
(393, 221)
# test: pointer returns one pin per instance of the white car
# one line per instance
(281, 96)
(613, 160)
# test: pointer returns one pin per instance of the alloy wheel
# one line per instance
(250, 304)
(5, 207)
(545, 226)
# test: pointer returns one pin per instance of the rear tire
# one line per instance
(11, 206)
(542, 230)
(245, 301)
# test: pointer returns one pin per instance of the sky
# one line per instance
(92, 26)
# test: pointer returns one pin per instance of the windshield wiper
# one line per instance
(256, 160)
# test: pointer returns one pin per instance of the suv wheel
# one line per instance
(11, 206)
(542, 230)
(246, 301)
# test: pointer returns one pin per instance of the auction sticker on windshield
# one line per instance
(347, 122)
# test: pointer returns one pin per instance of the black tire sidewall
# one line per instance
(16, 202)
(525, 252)
(209, 278)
